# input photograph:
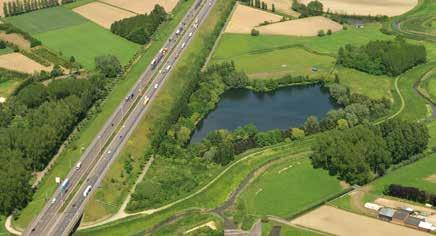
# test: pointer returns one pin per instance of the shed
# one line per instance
(372, 206)
(425, 226)
(386, 213)
(412, 221)
(400, 215)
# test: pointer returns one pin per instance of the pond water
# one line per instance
(286, 107)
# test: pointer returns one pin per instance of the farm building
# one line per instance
(386, 213)
(412, 221)
(400, 215)
(373, 206)
(426, 226)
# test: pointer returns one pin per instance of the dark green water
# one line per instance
(284, 108)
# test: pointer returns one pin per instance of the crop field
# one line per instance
(363, 83)
(79, 37)
(245, 18)
(276, 63)
(102, 14)
(339, 222)
(309, 26)
(17, 39)
(142, 7)
(369, 7)
(287, 188)
(18, 62)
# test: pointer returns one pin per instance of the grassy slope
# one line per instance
(213, 196)
(363, 83)
(85, 136)
(46, 20)
(430, 86)
(187, 223)
(286, 230)
(6, 50)
(86, 41)
(8, 87)
(284, 192)
(295, 61)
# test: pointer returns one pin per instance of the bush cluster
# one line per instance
(140, 28)
(411, 194)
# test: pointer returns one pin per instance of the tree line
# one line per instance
(359, 154)
(313, 8)
(410, 193)
(382, 57)
(17, 7)
(140, 28)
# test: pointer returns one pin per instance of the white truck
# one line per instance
(87, 190)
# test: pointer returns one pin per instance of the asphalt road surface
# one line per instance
(59, 216)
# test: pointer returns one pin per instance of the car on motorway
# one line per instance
(156, 85)
(78, 165)
(146, 99)
(190, 34)
(87, 190)
(53, 200)
(65, 184)
(168, 68)
(183, 45)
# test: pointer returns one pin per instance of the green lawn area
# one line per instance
(430, 86)
(7, 87)
(286, 230)
(86, 41)
(373, 86)
(413, 175)
(46, 20)
(187, 223)
(285, 189)
(233, 45)
(273, 63)
(432, 130)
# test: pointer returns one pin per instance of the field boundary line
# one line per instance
(115, 6)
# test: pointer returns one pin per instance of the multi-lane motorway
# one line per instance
(63, 210)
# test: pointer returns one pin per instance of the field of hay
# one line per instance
(141, 6)
(309, 26)
(102, 14)
(368, 7)
(19, 62)
(245, 18)
(339, 222)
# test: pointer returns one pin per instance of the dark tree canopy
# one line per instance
(108, 65)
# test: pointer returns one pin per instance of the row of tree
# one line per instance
(140, 28)
(359, 154)
(313, 8)
(411, 194)
(17, 7)
(382, 57)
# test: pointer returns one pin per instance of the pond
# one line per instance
(286, 107)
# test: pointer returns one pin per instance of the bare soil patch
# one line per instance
(21, 63)
(368, 7)
(283, 6)
(431, 178)
(339, 222)
(102, 14)
(142, 6)
(245, 18)
(398, 204)
(16, 39)
(309, 26)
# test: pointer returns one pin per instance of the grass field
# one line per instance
(72, 153)
(65, 31)
(86, 41)
(375, 87)
(6, 50)
(287, 188)
(187, 223)
(286, 230)
(430, 86)
(46, 20)
(432, 130)
(273, 63)
(248, 44)
(8, 87)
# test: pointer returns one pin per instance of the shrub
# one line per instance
(108, 65)
(321, 33)
(255, 32)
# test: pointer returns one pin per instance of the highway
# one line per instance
(64, 209)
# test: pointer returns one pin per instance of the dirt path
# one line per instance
(121, 213)
(10, 228)
(403, 103)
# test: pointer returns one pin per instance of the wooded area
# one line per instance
(17, 7)
(382, 57)
(140, 28)
(411, 194)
